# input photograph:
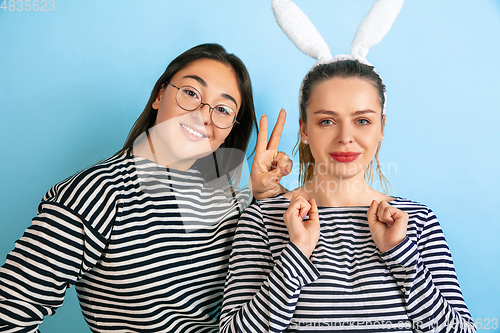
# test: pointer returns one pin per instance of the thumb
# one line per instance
(371, 214)
(278, 173)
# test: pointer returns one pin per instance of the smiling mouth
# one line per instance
(192, 131)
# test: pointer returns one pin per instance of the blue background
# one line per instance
(73, 81)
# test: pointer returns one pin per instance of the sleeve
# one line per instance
(425, 273)
(260, 294)
(52, 255)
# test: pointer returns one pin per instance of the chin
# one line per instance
(191, 157)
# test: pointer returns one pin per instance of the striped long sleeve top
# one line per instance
(348, 285)
(147, 248)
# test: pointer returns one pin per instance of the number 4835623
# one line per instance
(28, 5)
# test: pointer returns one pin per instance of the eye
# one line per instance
(363, 121)
(224, 110)
(189, 92)
(326, 122)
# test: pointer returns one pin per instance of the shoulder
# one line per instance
(267, 209)
(273, 206)
(101, 180)
(413, 208)
(422, 221)
(261, 220)
(417, 211)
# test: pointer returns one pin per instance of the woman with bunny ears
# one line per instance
(362, 260)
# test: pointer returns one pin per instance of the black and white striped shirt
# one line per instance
(349, 286)
(147, 248)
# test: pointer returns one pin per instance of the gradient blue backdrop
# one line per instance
(73, 81)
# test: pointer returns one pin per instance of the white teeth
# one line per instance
(192, 131)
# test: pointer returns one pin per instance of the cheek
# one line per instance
(370, 142)
(220, 136)
(318, 148)
(167, 111)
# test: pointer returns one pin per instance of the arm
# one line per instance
(425, 273)
(52, 254)
(261, 291)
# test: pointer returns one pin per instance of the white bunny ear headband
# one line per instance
(300, 30)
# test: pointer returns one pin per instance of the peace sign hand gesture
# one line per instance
(387, 225)
(269, 165)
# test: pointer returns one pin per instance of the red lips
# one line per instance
(344, 157)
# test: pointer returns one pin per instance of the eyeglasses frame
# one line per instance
(210, 108)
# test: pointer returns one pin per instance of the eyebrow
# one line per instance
(204, 83)
(336, 114)
(229, 97)
(197, 78)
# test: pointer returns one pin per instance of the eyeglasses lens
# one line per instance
(189, 99)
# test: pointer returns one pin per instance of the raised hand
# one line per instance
(269, 165)
(303, 233)
(387, 225)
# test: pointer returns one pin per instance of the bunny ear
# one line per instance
(375, 25)
(300, 30)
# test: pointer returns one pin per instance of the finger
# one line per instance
(399, 215)
(293, 209)
(389, 212)
(296, 207)
(280, 155)
(274, 140)
(401, 222)
(283, 166)
(261, 145)
(382, 212)
(304, 207)
(380, 209)
(313, 212)
(289, 167)
(295, 201)
(273, 177)
(386, 214)
(371, 214)
(300, 204)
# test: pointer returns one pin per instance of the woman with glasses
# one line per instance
(362, 260)
(145, 235)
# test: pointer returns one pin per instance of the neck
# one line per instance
(336, 191)
(150, 148)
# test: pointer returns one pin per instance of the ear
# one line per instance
(383, 127)
(303, 132)
(159, 96)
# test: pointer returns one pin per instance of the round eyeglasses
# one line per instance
(189, 98)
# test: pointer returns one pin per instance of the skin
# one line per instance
(269, 165)
(344, 115)
(176, 148)
(173, 144)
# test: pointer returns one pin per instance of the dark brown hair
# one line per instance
(321, 73)
(240, 134)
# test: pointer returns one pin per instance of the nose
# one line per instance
(345, 134)
(204, 113)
